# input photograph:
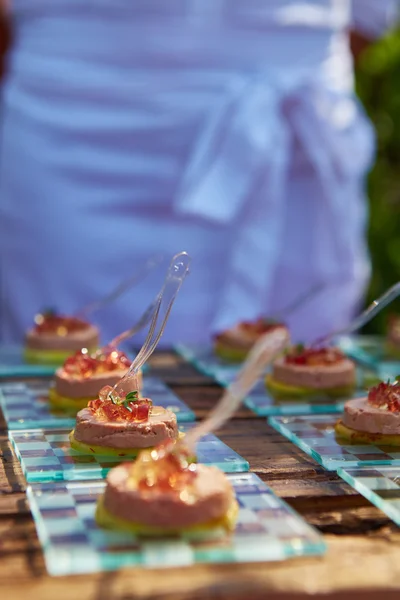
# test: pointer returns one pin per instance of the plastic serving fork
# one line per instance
(122, 287)
(369, 313)
(159, 312)
(299, 301)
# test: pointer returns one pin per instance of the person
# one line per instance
(227, 129)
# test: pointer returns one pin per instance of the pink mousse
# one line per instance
(362, 416)
(72, 387)
(336, 375)
(241, 338)
(160, 427)
(213, 492)
(73, 341)
(394, 332)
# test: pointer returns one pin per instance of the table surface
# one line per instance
(362, 561)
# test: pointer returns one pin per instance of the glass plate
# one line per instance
(45, 454)
(315, 435)
(374, 345)
(259, 400)
(26, 406)
(380, 485)
(370, 352)
(267, 530)
(12, 364)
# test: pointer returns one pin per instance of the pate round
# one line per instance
(72, 387)
(161, 426)
(394, 333)
(213, 498)
(240, 338)
(360, 415)
(73, 341)
(340, 374)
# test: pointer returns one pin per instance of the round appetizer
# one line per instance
(122, 426)
(393, 337)
(374, 419)
(163, 494)
(234, 344)
(55, 337)
(308, 372)
(83, 375)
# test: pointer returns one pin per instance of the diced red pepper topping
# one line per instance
(112, 409)
(385, 396)
(165, 469)
(299, 355)
(50, 322)
(83, 365)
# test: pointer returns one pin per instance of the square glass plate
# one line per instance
(374, 345)
(380, 485)
(12, 364)
(259, 400)
(369, 351)
(315, 435)
(266, 530)
(45, 454)
(26, 406)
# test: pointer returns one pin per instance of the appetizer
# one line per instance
(234, 344)
(374, 419)
(55, 337)
(163, 494)
(311, 372)
(83, 375)
(123, 425)
(393, 337)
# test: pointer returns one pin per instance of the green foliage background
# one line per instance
(378, 86)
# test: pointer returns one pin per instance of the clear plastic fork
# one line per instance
(369, 313)
(299, 301)
(122, 287)
(121, 337)
(159, 313)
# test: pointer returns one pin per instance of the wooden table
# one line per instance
(363, 558)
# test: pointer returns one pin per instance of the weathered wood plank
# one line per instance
(362, 563)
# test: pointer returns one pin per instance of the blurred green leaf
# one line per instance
(378, 86)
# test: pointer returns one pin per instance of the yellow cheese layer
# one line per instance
(282, 390)
(363, 437)
(49, 357)
(46, 357)
(392, 350)
(235, 355)
(65, 403)
(105, 519)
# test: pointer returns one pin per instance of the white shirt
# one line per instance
(225, 128)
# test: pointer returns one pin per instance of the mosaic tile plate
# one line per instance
(25, 405)
(369, 352)
(267, 529)
(373, 345)
(259, 400)
(315, 435)
(45, 454)
(12, 364)
(380, 485)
